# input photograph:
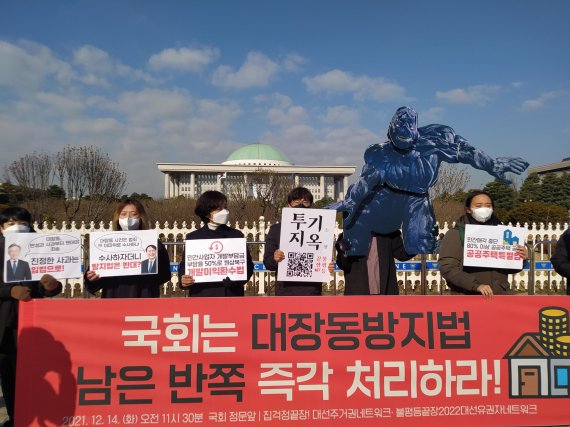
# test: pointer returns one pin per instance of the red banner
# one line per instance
(293, 361)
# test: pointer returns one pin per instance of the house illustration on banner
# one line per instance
(508, 238)
(539, 363)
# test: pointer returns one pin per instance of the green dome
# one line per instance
(257, 154)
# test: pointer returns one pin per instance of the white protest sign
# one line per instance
(493, 246)
(212, 260)
(307, 240)
(123, 253)
(28, 256)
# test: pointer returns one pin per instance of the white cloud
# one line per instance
(362, 87)
(93, 80)
(341, 141)
(517, 85)
(62, 103)
(93, 59)
(96, 127)
(293, 62)
(24, 137)
(47, 107)
(280, 110)
(275, 99)
(152, 126)
(99, 65)
(431, 115)
(25, 66)
(534, 104)
(174, 128)
(307, 145)
(478, 95)
(184, 59)
(341, 115)
(212, 121)
(358, 139)
(288, 116)
(152, 105)
(256, 71)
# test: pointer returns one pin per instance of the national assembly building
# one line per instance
(245, 166)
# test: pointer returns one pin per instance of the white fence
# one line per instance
(540, 237)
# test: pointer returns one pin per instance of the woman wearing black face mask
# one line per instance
(473, 280)
(212, 208)
(130, 215)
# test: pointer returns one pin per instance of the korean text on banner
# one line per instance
(307, 237)
(281, 361)
(121, 253)
(212, 260)
(28, 256)
(493, 246)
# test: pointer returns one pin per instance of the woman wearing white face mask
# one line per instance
(473, 280)
(130, 215)
(212, 208)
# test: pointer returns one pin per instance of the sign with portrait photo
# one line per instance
(28, 256)
(123, 253)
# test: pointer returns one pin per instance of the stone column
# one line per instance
(344, 187)
(218, 182)
(323, 193)
(166, 188)
(171, 186)
(192, 185)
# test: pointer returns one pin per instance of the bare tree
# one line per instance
(448, 211)
(270, 189)
(33, 174)
(451, 179)
(265, 187)
(237, 192)
(86, 173)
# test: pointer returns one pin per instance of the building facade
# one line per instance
(558, 168)
(250, 167)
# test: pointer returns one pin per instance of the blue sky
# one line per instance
(191, 81)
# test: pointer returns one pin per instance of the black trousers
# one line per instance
(8, 371)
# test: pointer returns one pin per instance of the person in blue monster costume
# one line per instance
(392, 190)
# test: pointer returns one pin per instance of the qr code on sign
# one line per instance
(299, 264)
